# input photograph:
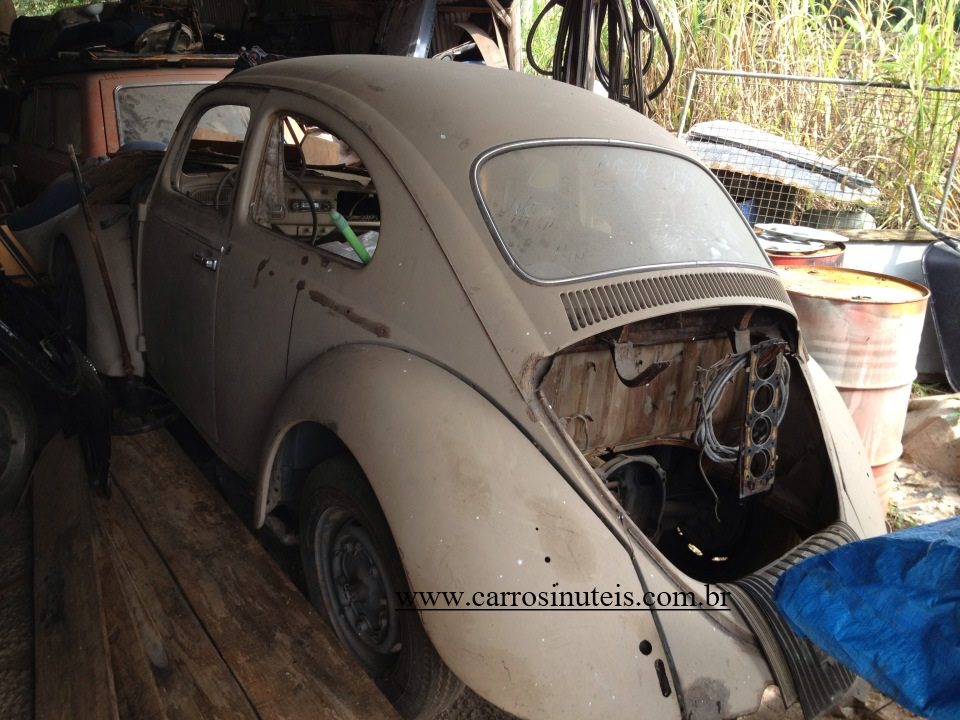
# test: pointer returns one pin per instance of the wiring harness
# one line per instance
(633, 29)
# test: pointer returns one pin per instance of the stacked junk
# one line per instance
(863, 328)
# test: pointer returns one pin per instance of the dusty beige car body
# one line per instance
(470, 395)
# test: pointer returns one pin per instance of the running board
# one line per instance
(801, 670)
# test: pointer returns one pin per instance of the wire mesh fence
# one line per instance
(824, 152)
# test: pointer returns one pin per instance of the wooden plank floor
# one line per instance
(158, 603)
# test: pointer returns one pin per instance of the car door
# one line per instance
(277, 260)
(182, 249)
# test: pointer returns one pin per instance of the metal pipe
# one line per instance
(827, 81)
(925, 224)
(101, 263)
(948, 185)
(686, 102)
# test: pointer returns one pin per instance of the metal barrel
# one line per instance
(864, 329)
(831, 256)
(799, 245)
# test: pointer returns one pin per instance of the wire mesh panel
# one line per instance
(823, 152)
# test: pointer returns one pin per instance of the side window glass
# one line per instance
(25, 125)
(68, 119)
(316, 189)
(212, 160)
(45, 118)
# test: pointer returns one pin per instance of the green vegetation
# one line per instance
(42, 7)
(897, 520)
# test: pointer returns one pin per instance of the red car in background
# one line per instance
(100, 107)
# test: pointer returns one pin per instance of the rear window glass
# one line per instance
(568, 211)
(150, 113)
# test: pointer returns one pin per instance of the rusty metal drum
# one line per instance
(798, 245)
(864, 329)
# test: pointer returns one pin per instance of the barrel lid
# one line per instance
(856, 286)
(804, 247)
(799, 233)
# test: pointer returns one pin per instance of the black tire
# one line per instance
(345, 537)
(18, 439)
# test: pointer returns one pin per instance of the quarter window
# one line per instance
(314, 188)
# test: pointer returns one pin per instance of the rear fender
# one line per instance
(475, 507)
(859, 500)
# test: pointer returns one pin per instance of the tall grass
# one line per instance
(901, 41)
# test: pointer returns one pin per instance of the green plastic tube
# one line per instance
(351, 237)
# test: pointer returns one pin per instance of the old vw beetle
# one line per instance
(475, 332)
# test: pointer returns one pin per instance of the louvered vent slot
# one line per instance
(588, 307)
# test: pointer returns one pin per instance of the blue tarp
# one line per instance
(889, 609)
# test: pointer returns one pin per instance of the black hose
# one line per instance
(634, 28)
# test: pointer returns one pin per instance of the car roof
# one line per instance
(456, 110)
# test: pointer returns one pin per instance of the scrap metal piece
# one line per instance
(629, 366)
(768, 376)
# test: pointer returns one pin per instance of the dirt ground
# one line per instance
(926, 489)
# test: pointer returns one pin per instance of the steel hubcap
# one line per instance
(361, 589)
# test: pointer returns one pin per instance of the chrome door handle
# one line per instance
(210, 263)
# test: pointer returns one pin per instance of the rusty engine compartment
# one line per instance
(703, 428)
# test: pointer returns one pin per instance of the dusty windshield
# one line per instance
(565, 211)
(150, 113)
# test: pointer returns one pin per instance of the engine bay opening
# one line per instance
(702, 427)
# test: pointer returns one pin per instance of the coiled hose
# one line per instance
(633, 29)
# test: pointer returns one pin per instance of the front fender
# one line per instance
(474, 507)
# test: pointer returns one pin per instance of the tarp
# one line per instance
(889, 609)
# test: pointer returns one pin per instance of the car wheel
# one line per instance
(18, 439)
(353, 572)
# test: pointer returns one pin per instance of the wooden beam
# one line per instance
(500, 13)
(913, 236)
(285, 657)
(73, 671)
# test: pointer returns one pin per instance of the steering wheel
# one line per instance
(231, 174)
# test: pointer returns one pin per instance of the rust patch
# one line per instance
(706, 699)
(260, 267)
(378, 329)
